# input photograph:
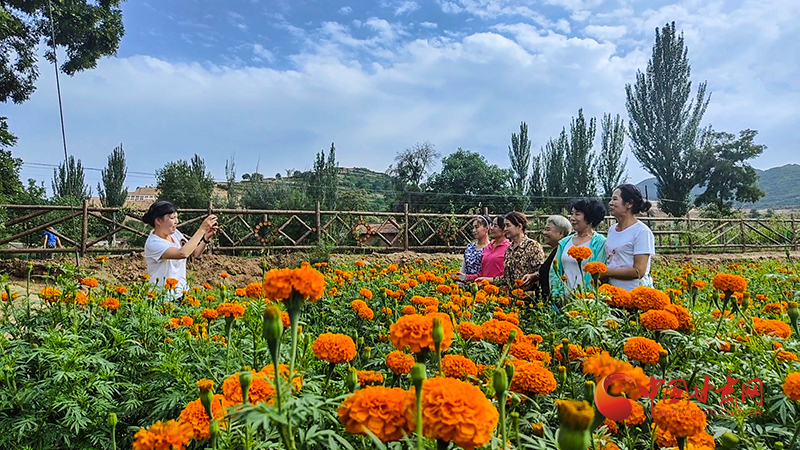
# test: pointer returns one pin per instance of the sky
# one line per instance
(269, 83)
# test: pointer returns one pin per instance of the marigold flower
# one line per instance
(643, 350)
(454, 411)
(637, 416)
(366, 293)
(457, 366)
(195, 415)
(170, 283)
(369, 377)
(120, 290)
(784, 356)
(595, 267)
(574, 414)
(777, 328)
(253, 290)
(306, 281)
(205, 385)
(366, 313)
(580, 253)
(528, 351)
(645, 298)
(89, 282)
(491, 289)
(470, 331)
(334, 348)
(658, 320)
(498, 331)
(602, 365)
(109, 303)
(575, 352)
(240, 292)
(416, 332)
(532, 378)
(399, 363)
(699, 284)
(729, 283)
(791, 386)
(209, 314)
(228, 309)
(378, 409)
(616, 296)
(681, 418)
(358, 305)
(163, 436)
(261, 389)
(683, 315)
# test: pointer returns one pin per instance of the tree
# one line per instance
(580, 180)
(69, 182)
(112, 192)
(730, 177)
(324, 179)
(412, 165)
(230, 182)
(10, 184)
(187, 184)
(610, 166)
(553, 170)
(87, 30)
(536, 182)
(468, 182)
(664, 124)
(519, 154)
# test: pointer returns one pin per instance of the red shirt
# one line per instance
(492, 260)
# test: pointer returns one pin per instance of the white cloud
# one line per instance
(237, 20)
(605, 32)
(345, 10)
(262, 54)
(429, 25)
(406, 7)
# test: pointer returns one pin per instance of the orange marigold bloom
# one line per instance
(511, 317)
(575, 352)
(240, 292)
(528, 351)
(120, 290)
(580, 252)
(532, 378)
(491, 289)
(195, 415)
(358, 304)
(498, 331)
(416, 332)
(777, 328)
(658, 320)
(366, 313)
(261, 390)
(443, 289)
(643, 350)
(784, 356)
(681, 418)
(729, 283)
(791, 386)
(457, 366)
(637, 416)
(254, 290)
(378, 409)
(699, 284)
(602, 365)
(269, 373)
(470, 331)
(617, 296)
(594, 268)
(366, 293)
(109, 303)
(230, 309)
(399, 363)
(89, 282)
(369, 377)
(306, 281)
(163, 436)
(334, 348)
(645, 298)
(209, 314)
(683, 315)
(454, 411)
(205, 385)
(170, 283)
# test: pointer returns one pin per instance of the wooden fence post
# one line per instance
(318, 222)
(485, 210)
(741, 230)
(85, 228)
(794, 233)
(405, 226)
(689, 233)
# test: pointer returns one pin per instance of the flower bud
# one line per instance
(366, 353)
(418, 375)
(206, 398)
(473, 288)
(794, 313)
(438, 332)
(112, 420)
(355, 336)
(511, 336)
(510, 369)
(245, 380)
(360, 341)
(213, 430)
(272, 329)
(500, 382)
(778, 445)
(729, 441)
(264, 266)
(562, 374)
(745, 300)
(576, 418)
(538, 428)
(588, 391)
(663, 358)
(351, 380)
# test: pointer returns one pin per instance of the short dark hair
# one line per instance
(485, 219)
(501, 221)
(158, 209)
(517, 219)
(593, 210)
(631, 194)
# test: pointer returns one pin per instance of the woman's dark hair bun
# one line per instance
(158, 209)
(631, 194)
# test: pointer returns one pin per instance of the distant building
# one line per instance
(142, 197)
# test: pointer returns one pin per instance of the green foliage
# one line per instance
(412, 165)
(113, 192)
(186, 184)
(610, 165)
(274, 194)
(10, 184)
(580, 179)
(554, 172)
(323, 181)
(664, 124)
(730, 177)
(69, 184)
(519, 154)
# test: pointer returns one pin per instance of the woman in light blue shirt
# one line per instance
(585, 215)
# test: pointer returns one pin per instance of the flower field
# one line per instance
(373, 355)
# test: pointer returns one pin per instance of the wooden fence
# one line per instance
(86, 229)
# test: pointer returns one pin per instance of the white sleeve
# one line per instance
(154, 248)
(644, 243)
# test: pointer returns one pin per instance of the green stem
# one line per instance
(794, 437)
(113, 438)
(420, 443)
(503, 434)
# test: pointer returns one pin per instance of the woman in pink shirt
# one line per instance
(493, 254)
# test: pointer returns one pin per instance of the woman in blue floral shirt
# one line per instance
(474, 251)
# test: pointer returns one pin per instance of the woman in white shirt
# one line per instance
(166, 249)
(630, 243)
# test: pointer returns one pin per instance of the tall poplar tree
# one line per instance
(519, 154)
(610, 165)
(580, 179)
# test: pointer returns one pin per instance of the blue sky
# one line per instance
(271, 83)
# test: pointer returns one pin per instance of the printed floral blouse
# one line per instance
(522, 259)
(472, 259)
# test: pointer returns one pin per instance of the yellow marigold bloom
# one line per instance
(334, 348)
(378, 409)
(579, 252)
(109, 303)
(230, 309)
(369, 377)
(617, 296)
(498, 331)
(163, 436)
(594, 268)
(643, 350)
(399, 363)
(366, 293)
(575, 415)
(528, 351)
(170, 283)
(532, 378)
(209, 314)
(457, 366)
(470, 331)
(645, 298)
(387, 311)
(261, 389)
(602, 365)
(729, 283)
(681, 418)
(195, 415)
(454, 411)
(205, 385)
(89, 282)
(658, 320)
(416, 332)
(777, 328)
(791, 386)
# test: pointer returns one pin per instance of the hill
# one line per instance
(781, 185)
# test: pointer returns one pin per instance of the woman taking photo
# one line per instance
(524, 256)
(630, 243)
(474, 251)
(585, 215)
(493, 254)
(166, 249)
